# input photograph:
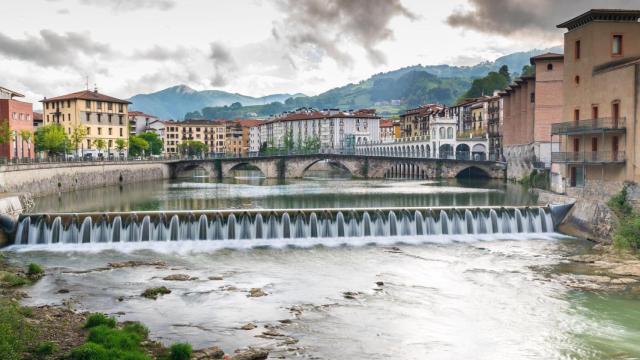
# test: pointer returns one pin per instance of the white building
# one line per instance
(334, 129)
(139, 121)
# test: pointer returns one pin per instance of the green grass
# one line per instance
(45, 349)
(619, 203)
(34, 269)
(13, 280)
(99, 319)
(16, 334)
(105, 342)
(180, 351)
(153, 293)
(627, 232)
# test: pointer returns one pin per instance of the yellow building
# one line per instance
(211, 133)
(103, 117)
(598, 145)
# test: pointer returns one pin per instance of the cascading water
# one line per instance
(279, 224)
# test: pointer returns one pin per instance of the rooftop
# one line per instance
(10, 92)
(618, 15)
(547, 56)
(140, 113)
(87, 95)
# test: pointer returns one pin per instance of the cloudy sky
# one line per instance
(259, 47)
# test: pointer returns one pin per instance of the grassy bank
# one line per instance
(627, 231)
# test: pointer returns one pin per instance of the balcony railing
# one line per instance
(589, 126)
(590, 157)
(471, 134)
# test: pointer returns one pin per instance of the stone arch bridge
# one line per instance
(360, 166)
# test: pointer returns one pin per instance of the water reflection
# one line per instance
(246, 192)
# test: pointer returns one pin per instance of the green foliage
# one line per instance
(537, 179)
(99, 319)
(627, 234)
(528, 70)
(137, 146)
(15, 332)
(89, 351)
(5, 132)
(180, 351)
(153, 293)
(287, 142)
(311, 144)
(154, 141)
(112, 338)
(192, 148)
(121, 144)
(100, 144)
(77, 135)
(51, 139)
(619, 203)
(34, 269)
(45, 348)
(137, 328)
(486, 85)
(504, 71)
(13, 280)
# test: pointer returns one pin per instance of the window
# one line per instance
(594, 112)
(549, 67)
(616, 45)
(88, 143)
(442, 133)
(99, 105)
(120, 107)
(577, 80)
(110, 130)
(87, 104)
(577, 50)
(532, 97)
(88, 130)
(109, 106)
(576, 115)
(450, 133)
(120, 131)
(99, 131)
(68, 103)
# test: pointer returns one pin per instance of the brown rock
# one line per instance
(251, 354)
(213, 352)
(248, 326)
(379, 283)
(216, 278)
(256, 292)
(272, 332)
(178, 277)
(135, 263)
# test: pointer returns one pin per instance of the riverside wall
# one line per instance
(45, 179)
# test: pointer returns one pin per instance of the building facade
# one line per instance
(334, 130)
(597, 144)
(139, 121)
(17, 116)
(211, 133)
(103, 117)
(530, 105)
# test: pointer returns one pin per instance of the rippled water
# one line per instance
(471, 297)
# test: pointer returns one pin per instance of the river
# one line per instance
(472, 296)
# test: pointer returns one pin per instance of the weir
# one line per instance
(85, 228)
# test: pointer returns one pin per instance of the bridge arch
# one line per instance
(473, 172)
(192, 169)
(353, 167)
(247, 165)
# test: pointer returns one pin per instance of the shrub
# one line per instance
(136, 328)
(89, 351)
(15, 332)
(152, 293)
(98, 319)
(627, 235)
(180, 351)
(111, 338)
(619, 203)
(34, 269)
(45, 348)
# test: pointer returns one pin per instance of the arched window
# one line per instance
(450, 133)
(442, 134)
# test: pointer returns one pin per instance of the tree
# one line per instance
(25, 136)
(100, 144)
(504, 71)
(137, 146)
(77, 135)
(287, 142)
(311, 144)
(5, 132)
(154, 140)
(52, 139)
(121, 144)
(487, 85)
(528, 70)
(192, 147)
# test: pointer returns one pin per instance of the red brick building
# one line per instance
(19, 115)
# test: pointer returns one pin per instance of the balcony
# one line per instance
(470, 134)
(589, 157)
(589, 126)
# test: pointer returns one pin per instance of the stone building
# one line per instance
(597, 144)
(19, 117)
(530, 105)
(103, 117)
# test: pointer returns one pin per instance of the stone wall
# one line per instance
(39, 180)
(520, 160)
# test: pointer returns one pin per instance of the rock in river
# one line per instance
(256, 292)
(179, 277)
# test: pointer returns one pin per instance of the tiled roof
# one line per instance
(547, 56)
(140, 113)
(386, 123)
(87, 95)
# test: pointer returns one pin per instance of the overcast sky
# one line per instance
(259, 47)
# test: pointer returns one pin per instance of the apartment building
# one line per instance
(103, 117)
(495, 122)
(598, 147)
(335, 129)
(139, 121)
(389, 130)
(531, 104)
(211, 133)
(414, 122)
(19, 117)
(239, 143)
